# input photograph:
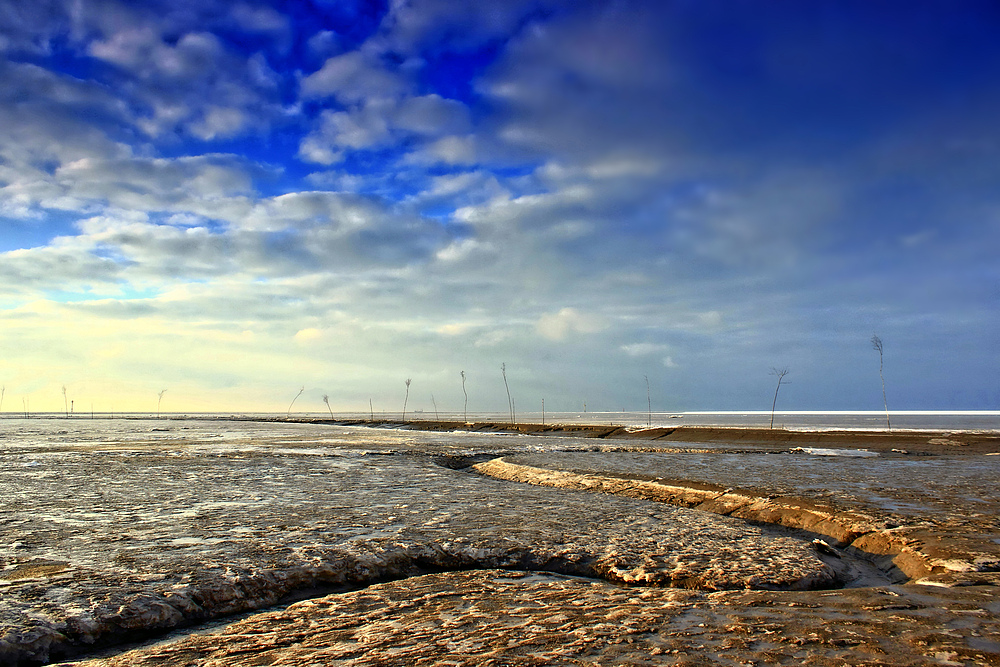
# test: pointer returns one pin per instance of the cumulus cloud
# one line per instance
(195, 84)
(382, 122)
(355, 77)
(432, 115)
(411, 25)
(557, 326)
(307, 336)
(451, 150)
(206, 185)
(597, 74)
(643, 349)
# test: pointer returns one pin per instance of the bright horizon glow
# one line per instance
(233, 200)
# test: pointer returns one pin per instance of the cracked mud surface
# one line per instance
(109, 533)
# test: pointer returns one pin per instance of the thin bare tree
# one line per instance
(288, 414)
(159, 399)
(877, 346)
(510, 401)
(406, 397)
(780, 373)
(326, 399)
(649, 404)
(465, 409)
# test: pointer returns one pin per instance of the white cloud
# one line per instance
(307, 336)
(259, 19)
(382, 121)
(432, 115)
(643, 349)
(195, 84)
(355, 77)
(466, 250)
(462, 26)
(318, 149)
(359, 128)
(206, 185)
(586, 84)
(557, 326)
(219, 122)
(449, 150)
(144, 52)
(301, 210)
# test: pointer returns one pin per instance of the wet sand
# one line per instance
(920, 441)
(503, 618)
(712, 552)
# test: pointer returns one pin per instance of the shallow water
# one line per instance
(942, 488)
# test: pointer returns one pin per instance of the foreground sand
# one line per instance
(491, 617)
(917, 545)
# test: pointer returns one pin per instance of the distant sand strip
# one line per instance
(918, 553)
(919, 441)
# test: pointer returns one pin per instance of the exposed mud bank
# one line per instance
(106, 537)
(921, 442)
(504, 619)
(154, 603)
(917, 553)
(104, 540)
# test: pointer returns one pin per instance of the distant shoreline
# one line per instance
(900, 441)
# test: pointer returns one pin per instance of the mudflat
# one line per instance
(426, 547)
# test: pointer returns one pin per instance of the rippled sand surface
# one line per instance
(109, 532)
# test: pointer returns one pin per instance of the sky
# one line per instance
(235, 200)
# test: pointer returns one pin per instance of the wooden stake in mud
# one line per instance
(510, 402)
(405, 398)
(877, 346)
(781, 373)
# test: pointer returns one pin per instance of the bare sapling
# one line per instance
(159, 399)
(326, 399)
(780, 373)
(649, 404)
(288, 413)
(406, 397)
(465, 408)
(510, 401)
(877, 346)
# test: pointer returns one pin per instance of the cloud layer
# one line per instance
(235, 200)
